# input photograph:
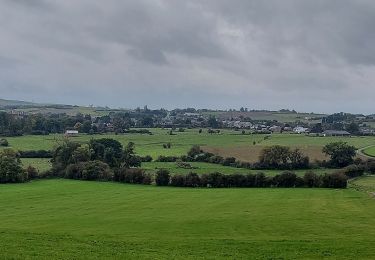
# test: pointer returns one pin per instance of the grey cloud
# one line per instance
(214, 53)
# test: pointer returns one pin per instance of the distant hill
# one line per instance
(4, 103)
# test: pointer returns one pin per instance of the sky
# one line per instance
(311, 56)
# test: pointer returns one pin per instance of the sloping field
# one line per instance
(251, 153)
(64, 219)
(370, 151)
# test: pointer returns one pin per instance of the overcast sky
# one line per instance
(315, 55)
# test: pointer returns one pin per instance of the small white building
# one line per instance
(71, 133)
(300, 130)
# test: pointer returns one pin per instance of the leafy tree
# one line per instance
(107, 150)
(353, 128)
(82, 153)
(274, 156)
(212, 122)
(317, 128)
(11, 167)
(281, 157)
(341, 153)
(129, 159)
(63, 156)
(91, 171)
(86, 127)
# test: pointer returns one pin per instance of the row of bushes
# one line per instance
(35, 154)
(219, 180)
(100, 171)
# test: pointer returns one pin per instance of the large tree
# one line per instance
(11, 167)
(341, 153)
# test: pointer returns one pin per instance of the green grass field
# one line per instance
(182, 142)
(365, 183)
(40, 164)
(370, 151)
(65, 219)
(228, 143)
(197, 167)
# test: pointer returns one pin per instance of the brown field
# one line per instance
(251, 153)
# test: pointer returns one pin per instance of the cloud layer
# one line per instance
(307, 55)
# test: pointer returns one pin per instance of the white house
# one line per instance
(71, 133)
(300, 130)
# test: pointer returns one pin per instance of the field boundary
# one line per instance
(362, 151)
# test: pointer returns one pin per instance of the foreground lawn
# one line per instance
(73, 219)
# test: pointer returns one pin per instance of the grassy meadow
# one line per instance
(40, 164)
(227, 143)
(370, 151)
(68, 219)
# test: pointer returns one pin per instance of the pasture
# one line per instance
(201, 167)
(227, 143)
(370, 151)
(197, 167)
(68, 219)
(40, 164)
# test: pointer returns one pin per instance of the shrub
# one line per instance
(162, 177)
(4, 142)
(214, 180)
(311, 179)
(163, 158)
(353, 170)
(91, 171)
(184, 165)
(229, 161)
(216, 159)
(334, 180)
(192, 180)
(202, 157)
(341, 153)
(260, 180)
(195, 150)
(146, 158)
(236, 180)
(132, 175)
(285, 179)
(35, 154)
(32, 172)
(177, 180)
(74, 171)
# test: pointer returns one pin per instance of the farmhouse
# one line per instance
(300, 130)
(335, 133)
(71, 133)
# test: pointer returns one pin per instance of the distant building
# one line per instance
(300, 130)
(275, 129)
(71, 133)
(335, 133)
